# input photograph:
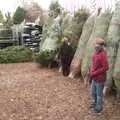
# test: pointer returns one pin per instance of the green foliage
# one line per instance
(1, 17)
(6, 33)
(8, 22)
(48, 20)
(86, 33)
(19, 15)
(45, 30)
(15, 54)
(45, 57)
(54, 5)
(81, 15)
(74, 29)
(100, 30)
(54, 9)
(116, 74)
(52, 37)
(47, 24)
(112, 39)
(117, 84)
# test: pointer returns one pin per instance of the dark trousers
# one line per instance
(65, 66)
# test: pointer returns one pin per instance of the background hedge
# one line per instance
(15, 54)
(45, 58)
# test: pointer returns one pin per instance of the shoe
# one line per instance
(93, 104)
(71, 75)
(94, 112)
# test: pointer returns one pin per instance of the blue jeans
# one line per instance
(97, 94)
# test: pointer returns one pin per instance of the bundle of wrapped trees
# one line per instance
(116, 75)
(66, 21)
(64, 25)
(54, 35)
(113, 38)
(80, 51)
(99, 31)
(74, 28)
(98, 27)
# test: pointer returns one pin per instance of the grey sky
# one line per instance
(11, 5)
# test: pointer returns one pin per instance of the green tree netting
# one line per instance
(16, 29)
(44, 34)
(99, 31)
(66, 21)
(19, 15)
(116, 74)
(87, 30)
(112, 42)
(54, 35)
(74, 30)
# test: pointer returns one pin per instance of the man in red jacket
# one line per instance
(98, 73)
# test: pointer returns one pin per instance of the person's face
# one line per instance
(68, 43)
(98, 47)
(66, 40)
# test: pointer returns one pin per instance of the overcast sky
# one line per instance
(11, 5)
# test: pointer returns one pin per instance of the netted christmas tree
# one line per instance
(74, 30)
(99, 31)
(80, 51)
(112, 43)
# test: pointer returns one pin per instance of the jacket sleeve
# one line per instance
(60, 52)
(104, 67)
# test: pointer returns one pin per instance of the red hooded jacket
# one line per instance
(99, 66)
